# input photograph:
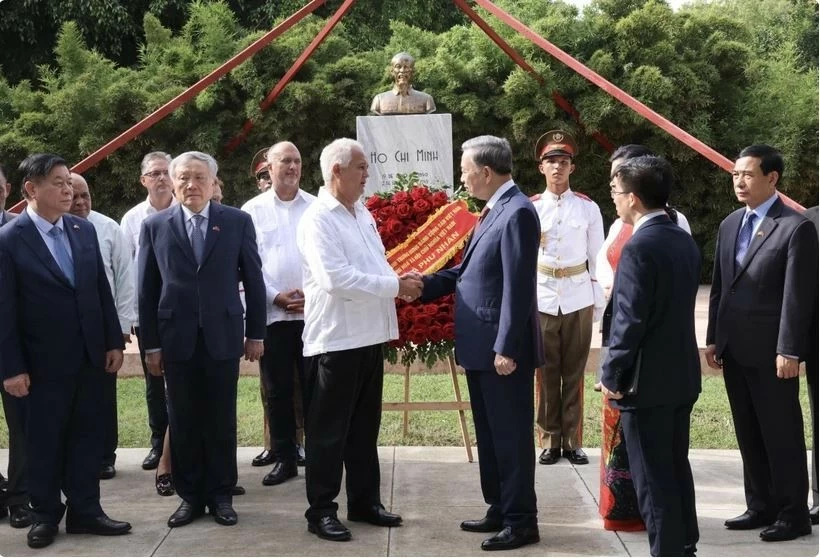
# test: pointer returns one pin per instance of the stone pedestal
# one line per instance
(421, 143)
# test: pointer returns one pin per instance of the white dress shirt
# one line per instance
(117, 261)
(349, 286)
(276, 222)
(572, 233)
(188, 217)
(131, 225)
(605, 273)
(43, 227)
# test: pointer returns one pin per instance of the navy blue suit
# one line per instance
(653, 335)
(59, 335)
(496, 313)
(195, 315)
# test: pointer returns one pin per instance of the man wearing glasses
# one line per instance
(572, 233)
(154, 177)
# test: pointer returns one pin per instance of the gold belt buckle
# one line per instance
(559, 273)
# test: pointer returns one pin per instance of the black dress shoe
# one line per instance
(107, 472)
(224, 514)
(151, 460)
(813, 515)
(185, 514)
(549, 456)
(376, 515)
(264, 458)
(784, 531)
(41, 535)
(165, 484)
(281, 472)
(511, 537)
(237, 490)
(301, 459)
(690, 550)
(576, 456)
(483, 525)
(750, 519)
(19, 516)
(329, 528)
(100, 525)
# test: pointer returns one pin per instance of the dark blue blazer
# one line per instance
(176, 296)
(496, 309)
(653, 305)
(48, 327)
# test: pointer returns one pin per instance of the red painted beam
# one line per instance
(195, 89)
(280, 86)
(557, 98)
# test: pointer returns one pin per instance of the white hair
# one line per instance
(154, 155)
(195, 156)
(339, 151)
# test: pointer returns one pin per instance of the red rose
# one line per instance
(386, 212)
(417, 336)
(423, 320)
(419, 193)
(374, 202)
(393, 226)
(449, 332)
(409, 313)
(420, 219)
(400, 197)
(403, 210)
(422, 206)
(439, 198)
(435, 333)
(430, 309)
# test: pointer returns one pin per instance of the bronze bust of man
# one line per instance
(402, 99)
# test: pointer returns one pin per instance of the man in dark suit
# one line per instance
(652, 369)
(760, 309)
(191, 260)
(59, 335)
(811, 380)
(498, 341)
(14, 495)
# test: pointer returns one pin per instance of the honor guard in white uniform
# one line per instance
(569, 298)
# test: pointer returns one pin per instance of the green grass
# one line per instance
(711, 420)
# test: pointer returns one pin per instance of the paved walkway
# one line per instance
(433, 489)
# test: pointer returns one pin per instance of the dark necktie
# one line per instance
(481, 216)
(744, 238)
(197, 238)
(61, 254)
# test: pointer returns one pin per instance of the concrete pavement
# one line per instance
(433, 488)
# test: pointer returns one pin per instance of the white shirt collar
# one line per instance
(42, 223)
(206, 211)
(500, 192)
(646, 217)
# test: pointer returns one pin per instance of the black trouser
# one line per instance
(155, 398)
(283, 354)
(15, 409)
(202, 413)
(342, 428)
(811, 380)
(63, 442)
(657, 442)
(503, 414)
(769, 429)
(110, 426)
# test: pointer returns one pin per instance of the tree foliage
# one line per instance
(731, 72)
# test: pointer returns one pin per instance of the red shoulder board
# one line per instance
(536, 197)
(582, 196)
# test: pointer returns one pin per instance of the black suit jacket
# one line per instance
(764, 308)
(653, 302)
(6, 217)
(48, 327)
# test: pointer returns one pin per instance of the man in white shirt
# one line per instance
(349, 313)
(154, 177)
(118, 270)
(276, 214)
(572, 233)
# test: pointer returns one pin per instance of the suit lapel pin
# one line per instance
(760, 233)
(215, 228)
(76, 227)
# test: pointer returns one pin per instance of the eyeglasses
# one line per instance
(264, 175)
(156, 174)
(613, 193)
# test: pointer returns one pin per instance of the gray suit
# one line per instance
(758, 311)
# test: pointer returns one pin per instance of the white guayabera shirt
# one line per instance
(349, 286)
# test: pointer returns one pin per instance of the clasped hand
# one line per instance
(292, 302)
(410, 286)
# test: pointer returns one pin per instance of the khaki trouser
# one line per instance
(560, 382)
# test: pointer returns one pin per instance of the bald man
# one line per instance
(118, 270)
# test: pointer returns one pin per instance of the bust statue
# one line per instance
(402, 99)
